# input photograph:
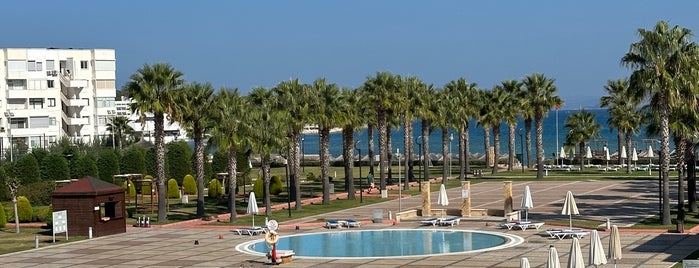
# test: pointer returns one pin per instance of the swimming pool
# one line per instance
(385, 243)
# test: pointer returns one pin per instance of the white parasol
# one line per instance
(569, 207)
(527, 202)
(252, 207)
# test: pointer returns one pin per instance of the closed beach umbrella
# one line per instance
(563, 153)
(596, 251)
(588, 152)
(634, 156)
(553, 261)
(527, 202)
(569, 207)
(575, 260)
(443, 200)
(524, 262)
(614, 245)
(650, 151)
(650, 159)
(623, 151)
(252, 207)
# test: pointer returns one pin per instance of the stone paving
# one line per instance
(173, 246)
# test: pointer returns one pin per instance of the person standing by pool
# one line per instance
(370, 180)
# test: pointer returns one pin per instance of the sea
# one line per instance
(553, 139)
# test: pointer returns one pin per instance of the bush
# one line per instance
(173, 190)
(258, 188)
(27, 169)
(132, 189)
(54, 167)
(108, 165)
(40, 214)
(215, 188)
(24, 209)
(3, 218)
(189, 184)
(275, 185)
(39, 193)
(146, 189)
(178, 155)
(49, 216)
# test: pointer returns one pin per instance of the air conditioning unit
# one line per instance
(2, 129)
(110, 112)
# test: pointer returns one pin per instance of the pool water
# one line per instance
(385, 243)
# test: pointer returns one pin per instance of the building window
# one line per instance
(17, 123)
(36, 103)
(39, 121)
(49, 83)
(16, 84)
(105, 102)
(33, 66)
(52, 121)
(52, 102)
(50, 65)
(83, 64)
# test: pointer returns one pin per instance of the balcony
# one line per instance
(75, 121)
(74, 102)
(68, 81)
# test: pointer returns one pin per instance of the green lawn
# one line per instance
(13, 242)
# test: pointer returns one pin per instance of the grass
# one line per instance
(13, 242)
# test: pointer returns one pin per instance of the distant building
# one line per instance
(52, 93)
(146, 130)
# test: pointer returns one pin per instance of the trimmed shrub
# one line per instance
(24, 209)
(173, 189)
(146, 189)
(54, 167)
(275, 185)
(132, 188)
(258, 188)
(189, 184)
(49, 216)
(215, 188)
(3, 218)
(108, 165)
(40, 213)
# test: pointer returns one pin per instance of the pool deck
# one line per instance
(624, 202)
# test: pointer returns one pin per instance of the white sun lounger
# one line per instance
(450, 222)
(351, 223)
(250, 231)
(561, 234)
(430, 221)
(333, 224)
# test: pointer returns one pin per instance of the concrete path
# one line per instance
(173, 246)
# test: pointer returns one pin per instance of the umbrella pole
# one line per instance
(253, 220)
(571, 221)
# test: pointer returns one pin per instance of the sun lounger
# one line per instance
(450, 222)
(352, 223)
(333, 224)
(524, 226)
(430, 221)
(250, 231)
(561, 234)
(509, 225)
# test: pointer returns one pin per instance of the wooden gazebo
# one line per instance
(90, 202)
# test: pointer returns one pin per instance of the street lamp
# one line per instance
(303, 155)
(361, 199)
(9, 116)
(521, 149)
(419, 160)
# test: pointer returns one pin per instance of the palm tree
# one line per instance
(409, 107)
(443, 120)
(119, 126)
(427, 113)
(293, 97)
(194, 112)
(326, 111)
(657, 61)
(380, 90)
(581, 128)
(485, 120)
(270, 133)
(541, 99)
(511, 108)
(464, 95)
(231, 133)
(350, 118)
(623, 104)
(152, 89)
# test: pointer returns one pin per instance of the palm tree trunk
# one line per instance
(664, 155)
(486, 144)
(628, 153)
(496, 149)
(383, 153)
(199, 158)
(539, 146)
(389, 155)
(294, 178)
(445, 168)
(233, 179)
(325, 163)
(266, 179)
(408, 152)
(691, 178)
(620, 140)
(348, 157)
(159, 128)
(425, 149)
(528, 138)
(464, 142)
(370, 147)
(681, 150)
(511, 148)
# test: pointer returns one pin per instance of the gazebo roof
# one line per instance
(88, 186)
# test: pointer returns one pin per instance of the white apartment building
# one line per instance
(52, 93)
(146, 129)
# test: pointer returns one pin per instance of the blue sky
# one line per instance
(244, 44)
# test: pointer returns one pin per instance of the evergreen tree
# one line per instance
(54, 167)
(108, 165)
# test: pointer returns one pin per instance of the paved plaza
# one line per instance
(623, 202)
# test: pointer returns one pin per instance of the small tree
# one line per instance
(54, 167)
(13, 184)
(275, 185)
(214, 188)
(189, 184)
(131, 188)
(108, 165)
(179, 159)
(27, 169)
(134, 161)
